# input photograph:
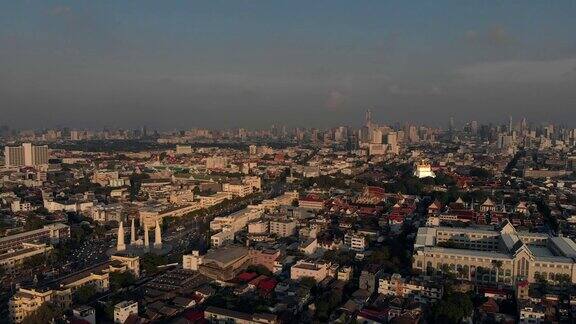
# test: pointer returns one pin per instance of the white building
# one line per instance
(216, 162)
(344, 274)
(192, 261)
(316, 270)
(183, 149)
(123, 309)
(221, 238)
(356, 242)
(531, 313)
(283, 228)
(26, 155)
(85, 313)
(494, 254)
(259, 227)
(238, 189)
(395, 285)
(253, 181)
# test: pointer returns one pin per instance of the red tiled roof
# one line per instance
(247, 276)
(194, 315)
(267, 285)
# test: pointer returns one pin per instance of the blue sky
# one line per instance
(250, 63)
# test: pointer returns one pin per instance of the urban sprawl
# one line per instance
(470, 222)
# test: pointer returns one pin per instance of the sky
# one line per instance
(252, 63)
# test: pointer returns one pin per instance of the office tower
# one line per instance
(368, 118)
(14, 156)
(413, 134)
(376, 136)
(26, 155)
(474, 127)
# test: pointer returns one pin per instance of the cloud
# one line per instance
(495, 36)
(520, 71)
(433, 90)
(59, 11)
(335, 100)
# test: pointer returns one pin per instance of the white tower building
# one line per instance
(146, 238)
(132, 233)
(121, 246)
(157, 237)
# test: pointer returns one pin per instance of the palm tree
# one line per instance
(445, 268)
(496, 266)
(479, 273)
(461, 272)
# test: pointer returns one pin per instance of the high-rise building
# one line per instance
(26, 155)
(14, 155)
(216, 162)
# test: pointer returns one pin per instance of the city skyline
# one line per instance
(251, 64)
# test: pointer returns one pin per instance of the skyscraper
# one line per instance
(26, 155)
(368, 118)
(14, 155)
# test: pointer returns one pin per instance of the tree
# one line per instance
(35, 261)
(121, 279)
(150, 262)
(84, 294)
(308, 282)
(259, 269)
(480, 173)
(379, 256)
(563, 278)
(327, 303)
(496, 266)
(46, 313)
(461, 272)
(340, 257)
(33, 223)
(452, 308)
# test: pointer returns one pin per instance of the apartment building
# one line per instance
(499, 254)
(316, 270)
(283, 227)
(356, 242)
(103, 177)
(236, 221)
(52, 233)
(253, 181)
(26, 155)
(238, 189)
(344, 273)
(222, 315)
(422, 290)
(258, 227)
(215, 199)
(150, 214)
(216, 162)
(15, 258)
(124, 309)
(223, 237)
(369, 278)
(182, 197)
(105, 213)
(26, 300)
(265, 258)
